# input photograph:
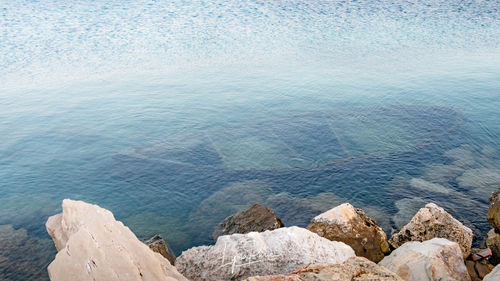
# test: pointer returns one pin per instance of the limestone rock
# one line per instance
(238, 256)
(493, 275)
(158, 245)
(258, 218)
(356, 268)
(435, 259)
(92, 245)
(349, 225)
(494, 210)
(433, 221)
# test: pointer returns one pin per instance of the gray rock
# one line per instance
(433, 260)
(258, 218)
(347, 224)
(239, 256)
(432, 222)
(158, 245)
(92, 246)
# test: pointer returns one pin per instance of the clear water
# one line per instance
(175, 114)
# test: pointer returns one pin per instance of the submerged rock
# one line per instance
(494, 210)
(484, 180)
(427, 186)
(92, 245)
(349, 225)
(258, 218)
(356, 268)
(435, 259)
(240, 196)
(431, 222)
(407, 207)
(22, 256)
(239, 256)
(158, 245)
(493, 275)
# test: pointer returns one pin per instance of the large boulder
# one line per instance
(435, 259)
(433, 221)
(238, 256)
(355, 268)
(92, 246)
(493, 275)
(494, 210)
(158, 245)
(257, 218)
(350, 225)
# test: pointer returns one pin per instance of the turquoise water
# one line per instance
(175, 114)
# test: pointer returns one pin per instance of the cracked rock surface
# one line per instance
(352, 226)
(239, 256)
(433, 221)
(92, 245)
(354, 269)
(437, 259)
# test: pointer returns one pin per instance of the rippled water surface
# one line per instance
(175, 114)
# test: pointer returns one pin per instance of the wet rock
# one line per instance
(478, 269)
(92, 245)
(350, 225)
(239, 256)
(258, 218)
(435, 259)
(494, 210)
(158, 245)
(431, 222)
(356, 268)
(494, 275)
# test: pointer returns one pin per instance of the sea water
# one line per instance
(176, 114)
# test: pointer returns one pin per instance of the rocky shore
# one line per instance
(342, 243)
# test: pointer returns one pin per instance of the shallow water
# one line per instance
(175, 114)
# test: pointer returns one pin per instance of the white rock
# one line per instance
(94, 246)
(494, 275)
(238, 256)
(435, 259)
